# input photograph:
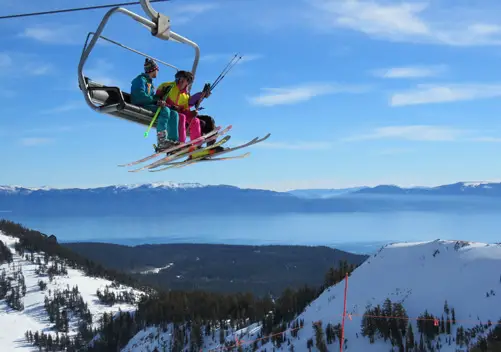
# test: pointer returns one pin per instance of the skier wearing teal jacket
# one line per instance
(143, 95)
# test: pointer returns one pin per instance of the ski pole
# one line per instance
(158, 112)
(152, 121)
(225, 71)
(219, 78)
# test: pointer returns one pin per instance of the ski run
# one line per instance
(438, 277)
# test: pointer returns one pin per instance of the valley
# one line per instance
(260, 270)
(423, 296)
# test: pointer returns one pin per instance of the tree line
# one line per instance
(215, 314)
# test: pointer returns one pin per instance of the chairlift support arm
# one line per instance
(159, 26)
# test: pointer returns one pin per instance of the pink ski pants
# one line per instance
(185, 120)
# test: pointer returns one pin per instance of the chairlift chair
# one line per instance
(112, 100)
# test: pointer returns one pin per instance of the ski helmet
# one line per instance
(184, 74)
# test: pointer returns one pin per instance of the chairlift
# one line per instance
(112, 100)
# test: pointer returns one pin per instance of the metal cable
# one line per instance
(75, 9)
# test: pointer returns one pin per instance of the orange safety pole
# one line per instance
(344, 312)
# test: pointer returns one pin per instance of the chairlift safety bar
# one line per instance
(133, 50)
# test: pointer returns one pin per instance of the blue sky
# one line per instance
(353, 92)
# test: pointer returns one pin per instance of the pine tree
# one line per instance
(446, 308)
(409, 343)
(221, 335)
(319, 337)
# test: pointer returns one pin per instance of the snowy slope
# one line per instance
(34, 317)
(421, 276)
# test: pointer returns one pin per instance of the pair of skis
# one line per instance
(205, 155)
(197, 141)
(197, 155)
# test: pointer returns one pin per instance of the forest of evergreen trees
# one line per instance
(203, 311)
(63, 307)
(206, 312)
(13, 288)
(35, 241)
(194, 314)
(111, 297)
(5, 254)
(391, 322)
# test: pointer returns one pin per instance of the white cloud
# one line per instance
(411, 133)
(412, 21)
(295, 145)
(26, 63)
(102, 72)
(410, 72)
(5, 60)
(226, 57)
(251, 57)
(394, 151)
(424, 133)
(216, 57)
(7, 93)
(428, 94)
(35, 141)
(298, 94)
(186, 13)
(66, 107)
(54, 34)
(487, 139)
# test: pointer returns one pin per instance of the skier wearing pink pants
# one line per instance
(179, 100)
(189, 119)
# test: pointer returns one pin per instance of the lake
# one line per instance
(355, 232)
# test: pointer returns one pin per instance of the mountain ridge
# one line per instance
(446, 297)
(193, 185)
(193, 198)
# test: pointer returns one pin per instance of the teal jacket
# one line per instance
(142, 91)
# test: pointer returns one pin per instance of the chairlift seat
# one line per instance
(116, 102)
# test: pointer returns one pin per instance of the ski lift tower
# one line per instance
(112, 100)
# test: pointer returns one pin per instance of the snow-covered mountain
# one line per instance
(172, 198)
(449, 290)
(492, 189)
(323, 192)
(33, 283)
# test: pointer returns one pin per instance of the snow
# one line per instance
(477, 184)
(166, 184)
(34, 317)
(156, 270)
(125, 187)
(420, 275)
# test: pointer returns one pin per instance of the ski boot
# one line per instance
(163, 143)
(217, 149)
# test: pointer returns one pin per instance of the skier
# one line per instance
(143, 95)
(179, 99)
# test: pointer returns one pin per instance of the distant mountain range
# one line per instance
(168, 198)
(323, 193)
(454, 189)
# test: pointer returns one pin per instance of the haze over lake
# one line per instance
(354, 231)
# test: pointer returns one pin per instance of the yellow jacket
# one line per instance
(176, 97)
